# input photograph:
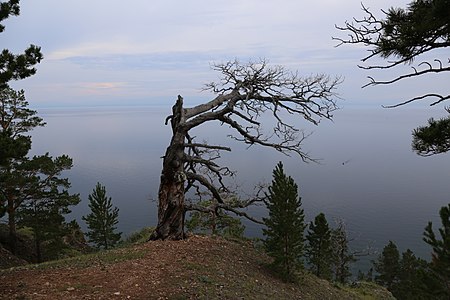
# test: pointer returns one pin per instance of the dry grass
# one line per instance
(198, 268)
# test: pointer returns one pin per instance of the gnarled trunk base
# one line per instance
(170, 212)
(171, 189)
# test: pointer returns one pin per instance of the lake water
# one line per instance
(368, 175)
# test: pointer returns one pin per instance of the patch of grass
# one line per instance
(82, 261)
(367, 291)
(138, 237)
(220, 270)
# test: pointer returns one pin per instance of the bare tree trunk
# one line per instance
(171, 190)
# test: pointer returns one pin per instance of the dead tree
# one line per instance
(404, 37)
(243, 94)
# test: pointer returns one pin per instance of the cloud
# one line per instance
(155, 61)
(143, 49)
(108, 27)
(102, 87)
(194, 26)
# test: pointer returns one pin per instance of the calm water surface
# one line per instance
(368, 175)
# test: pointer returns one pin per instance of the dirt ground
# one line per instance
(198, 268)
(155, 270)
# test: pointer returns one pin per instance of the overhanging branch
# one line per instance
(215, 206)
(215, 147)
(440, 99)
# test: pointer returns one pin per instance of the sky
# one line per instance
(110, 52)
(105, 53)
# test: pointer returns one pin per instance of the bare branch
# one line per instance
(440, 97)
(213, 208)
(245, 93)
(409, 75)
(403, 35)
(239, 213)
(206, 183)
(213, 104)
(206, 146)
(283, 147)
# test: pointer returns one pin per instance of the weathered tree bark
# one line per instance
(244, 93)
(171, 190)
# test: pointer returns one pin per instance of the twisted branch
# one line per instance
(391, 37)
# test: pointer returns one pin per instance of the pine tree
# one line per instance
(388, 266)
(412, 282)
(440, 264)
(16, 119)
(16, 66)
(319, 251)
(23, 179)
(46, 219)
(285, 224)
(47, 201)
(102, 220)
(342, 257)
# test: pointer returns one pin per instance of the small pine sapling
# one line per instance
(102, 220)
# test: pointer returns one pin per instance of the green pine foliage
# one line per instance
(406, 276)
(25, 181)
(7, 9)
(16, 66)
(440, 263)
(388, 266)
(285, 224)
(47, 201)
(418, 34)
(433, 138)
(16, 119)
(411, 278)
(102, 220)
(319, 252)
(407, 33)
